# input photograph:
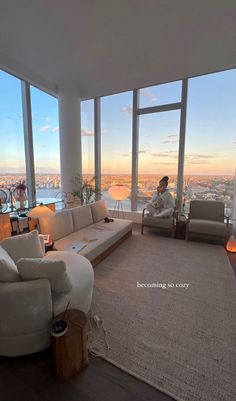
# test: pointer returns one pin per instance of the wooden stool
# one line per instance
(70, 352)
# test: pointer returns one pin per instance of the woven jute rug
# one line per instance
(179, 335)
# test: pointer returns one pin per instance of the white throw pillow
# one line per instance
(166, 213)
(8, 269)
(52, 269)
(82, 217)
(58, 226)
(23, 246)
(99, 211)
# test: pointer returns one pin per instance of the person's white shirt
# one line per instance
(165, 200)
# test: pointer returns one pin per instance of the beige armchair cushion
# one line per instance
(208, 227)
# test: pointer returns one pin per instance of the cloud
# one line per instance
(198, 158)
(142, 151)
(48, 119)
(172, 138)
(127, 109)
(85, 132)
(45, 128)
(169, 153)
(55, 129)
(165, 164)
(149, 94)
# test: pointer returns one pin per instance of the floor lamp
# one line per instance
(119, 192)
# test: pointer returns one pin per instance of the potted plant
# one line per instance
(85, 190)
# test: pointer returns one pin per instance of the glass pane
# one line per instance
(160, 94)
(210, 154)
(87, 132)
(158, 152)
(116, 127)
(46, 143)
(12, 160)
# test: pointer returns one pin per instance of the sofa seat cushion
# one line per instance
(57, 226)
(97, 237)
(53, 270)
(99, 211)
(8, 269)
(81, 275)
(23, 246)
(158, 222)
(208, 227)
(82, 217)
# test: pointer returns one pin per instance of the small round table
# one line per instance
(70, 351)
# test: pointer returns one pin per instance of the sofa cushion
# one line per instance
(208, 227)
(57, 226)
(23, 246)
(82, 217)
(53, 270)
(8, 269)
(97, 237)
(99, 211)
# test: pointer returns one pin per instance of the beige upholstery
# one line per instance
(162, 223)
(28, 307)
(97, 237)
(206, 218)
(57, 226)
(82, 217)
(99, 211)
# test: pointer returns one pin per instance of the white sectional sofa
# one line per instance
(85, 224)
(30, 296)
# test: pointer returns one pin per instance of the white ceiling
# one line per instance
(105, 46)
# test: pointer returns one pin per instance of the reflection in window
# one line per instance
(158, 152)
(87, 133)
(160, 94)
(46, 143)
(210, 151)
(12, 160)
(116, 138)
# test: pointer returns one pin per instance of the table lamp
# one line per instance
(119, 192)
(39, 211)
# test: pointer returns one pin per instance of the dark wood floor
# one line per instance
(30, 378)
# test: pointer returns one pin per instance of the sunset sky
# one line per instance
(210, 131)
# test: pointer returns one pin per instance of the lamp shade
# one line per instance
(41, 211)
(119, 192)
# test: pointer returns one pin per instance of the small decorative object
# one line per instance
(84, 190)
(20, 193)
(119, 192)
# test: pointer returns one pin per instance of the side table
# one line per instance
(181, 226)
(70, 351)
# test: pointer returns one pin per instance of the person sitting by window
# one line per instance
(162, 203)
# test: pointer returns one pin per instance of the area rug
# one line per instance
(168, 310)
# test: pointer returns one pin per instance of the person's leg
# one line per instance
(151, 209)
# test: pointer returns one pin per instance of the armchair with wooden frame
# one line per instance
(207, 219)
(166, 224)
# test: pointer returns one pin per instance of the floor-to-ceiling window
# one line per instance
(159, 126)
(46, 143)
(87, 139)
(116, 143)
(12, 156)
(210, 151)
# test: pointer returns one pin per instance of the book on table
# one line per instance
(75, 247)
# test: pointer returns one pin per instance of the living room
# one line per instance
(107, 107)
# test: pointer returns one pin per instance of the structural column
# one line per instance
(70, 137)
